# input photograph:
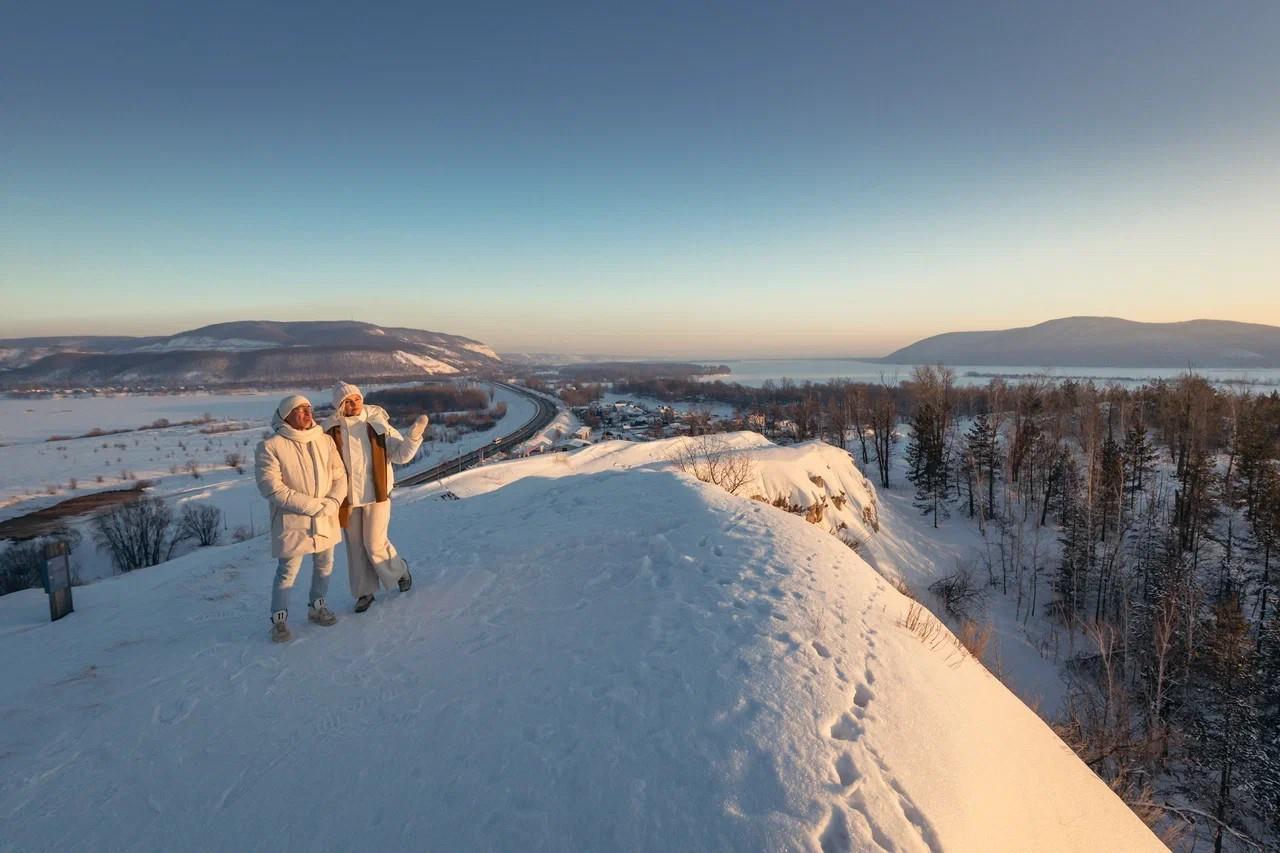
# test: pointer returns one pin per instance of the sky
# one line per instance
(651, 179)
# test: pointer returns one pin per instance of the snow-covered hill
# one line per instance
(600, 653)
(242, 353)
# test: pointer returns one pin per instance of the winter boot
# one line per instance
(280, 627)
(406, 580)
(321, 615)
(363, 602)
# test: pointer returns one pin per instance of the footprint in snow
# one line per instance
(823, 651)
(835, 836)
(846, 770)
(846, 728)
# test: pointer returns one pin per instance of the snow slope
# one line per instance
(600, 653)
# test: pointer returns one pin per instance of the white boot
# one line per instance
(280, 627)
(321, 615)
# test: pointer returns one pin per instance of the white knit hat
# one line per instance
(342, 391)
(288, 404)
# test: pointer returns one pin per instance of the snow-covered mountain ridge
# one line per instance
(242, 353)
(600, 652)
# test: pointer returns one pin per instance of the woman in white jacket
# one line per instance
(299, 473)
(368, 445)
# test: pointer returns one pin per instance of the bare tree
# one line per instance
(882, 415)
(202, 523)
(713, 460)
(134, 533)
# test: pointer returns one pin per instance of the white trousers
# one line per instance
(370, 555)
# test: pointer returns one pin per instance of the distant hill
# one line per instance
(241, 353)
(1104, 342)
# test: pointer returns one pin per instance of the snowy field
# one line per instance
(27, 421)
(39, 473)
(600, 653)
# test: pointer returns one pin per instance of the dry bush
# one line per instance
(814, 513)
(958, 592)
(934, 634)
(924, 625)
(712, 460)
(975, 636)
(903, 587)
(241, 534)
(235, 460)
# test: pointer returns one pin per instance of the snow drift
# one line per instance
(600, 652)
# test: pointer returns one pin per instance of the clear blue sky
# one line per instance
(643, 178)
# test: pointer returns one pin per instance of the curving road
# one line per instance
(546, 414)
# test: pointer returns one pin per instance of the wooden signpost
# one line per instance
(57, 580)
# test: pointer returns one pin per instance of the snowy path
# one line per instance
(618, 659)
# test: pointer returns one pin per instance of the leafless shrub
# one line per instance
(193, 468)
(202, 523)
(241, 534)
(235, 460)
(903, 587)
(934, 634)
(21, 565)
(134, 533)
(712, 460)
(924, 625)
(957, 592)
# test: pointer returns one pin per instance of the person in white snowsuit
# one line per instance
(299, 473)
(368, 445)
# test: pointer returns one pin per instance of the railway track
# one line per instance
(546, 414)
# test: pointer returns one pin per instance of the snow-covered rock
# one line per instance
(600, 652)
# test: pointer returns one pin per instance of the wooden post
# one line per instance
(57, 580)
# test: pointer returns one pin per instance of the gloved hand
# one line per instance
(419, 427)
(331, 506)
(315, 507)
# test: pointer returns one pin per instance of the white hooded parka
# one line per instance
(304, 481)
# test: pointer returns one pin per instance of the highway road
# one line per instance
(546, 414)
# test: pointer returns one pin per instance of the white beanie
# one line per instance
(342, 391)
(288, 404)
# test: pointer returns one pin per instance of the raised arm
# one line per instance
(401, 449)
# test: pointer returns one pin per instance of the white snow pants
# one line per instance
(370, 555)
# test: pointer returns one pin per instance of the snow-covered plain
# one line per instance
(599, 653)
